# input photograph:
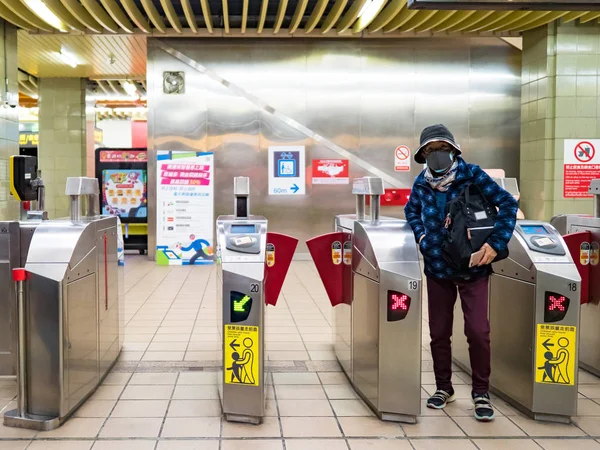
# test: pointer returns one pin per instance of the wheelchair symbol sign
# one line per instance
(287, 164)
(286, 168)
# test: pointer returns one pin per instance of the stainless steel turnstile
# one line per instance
(377, 325)
(241, 241)
(71, 329)
(534, 298)
(589, 256)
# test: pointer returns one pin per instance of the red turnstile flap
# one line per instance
(327, 253)
(280, 251)
(580, 248)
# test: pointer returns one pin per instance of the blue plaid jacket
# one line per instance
(425, 218)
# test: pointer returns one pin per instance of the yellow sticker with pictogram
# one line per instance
(555, 354)
(242, 355)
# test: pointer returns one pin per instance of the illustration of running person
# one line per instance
(198, 246)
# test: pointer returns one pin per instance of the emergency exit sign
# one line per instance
(515, 5)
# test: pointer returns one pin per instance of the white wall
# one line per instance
(117, 133)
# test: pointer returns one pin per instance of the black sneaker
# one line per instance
(483, 407)
(440, 399)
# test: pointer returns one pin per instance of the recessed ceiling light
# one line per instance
(129, 88)
(39, 8)
(67, 57)
(365, 8)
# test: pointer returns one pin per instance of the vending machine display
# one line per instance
(124, 193)
(123, 176)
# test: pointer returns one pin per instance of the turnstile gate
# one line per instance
(582, 234)
(371, 272)
(247, 256)
(70, 312)
(534, 298)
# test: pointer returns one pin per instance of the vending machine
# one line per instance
(123, 176)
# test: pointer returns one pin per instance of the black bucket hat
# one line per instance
(435, 133)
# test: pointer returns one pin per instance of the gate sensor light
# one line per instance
(398, 305)
(556, 307)
(240, 304)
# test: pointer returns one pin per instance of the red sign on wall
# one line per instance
(133, 156)
(581, 166)
(330, 171)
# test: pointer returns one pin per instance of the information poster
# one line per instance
(185, 208)
(287, 170)
(581, 166)
(330, 171)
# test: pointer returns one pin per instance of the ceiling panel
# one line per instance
(97, 55)
(87, 27)
(283, 17)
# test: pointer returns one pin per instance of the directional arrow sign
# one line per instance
(233, 345)
(546, 344)
(238, 305)
(294, 188)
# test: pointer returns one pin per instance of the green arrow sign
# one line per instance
(239, 305)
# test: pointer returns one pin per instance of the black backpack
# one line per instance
(470, 220)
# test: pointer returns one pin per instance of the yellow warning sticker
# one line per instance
(555, 354)
(595, 254)
(241, 355)
(270, 255)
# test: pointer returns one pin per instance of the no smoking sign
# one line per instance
(402, 159)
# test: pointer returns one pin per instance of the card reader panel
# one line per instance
(242, 238)
(542, 239)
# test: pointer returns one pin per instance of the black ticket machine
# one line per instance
(26, 186)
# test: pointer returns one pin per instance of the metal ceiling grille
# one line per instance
(265, 17)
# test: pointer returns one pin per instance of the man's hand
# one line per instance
(421, 238)
(488, 256)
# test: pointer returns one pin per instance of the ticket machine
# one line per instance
(371, 272)
(252, 265)
(534, 298)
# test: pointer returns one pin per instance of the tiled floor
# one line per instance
(162, 394)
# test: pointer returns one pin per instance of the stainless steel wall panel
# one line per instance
(494, 97)
(442, 87)
(366, 96)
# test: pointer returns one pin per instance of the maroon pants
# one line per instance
(474, 302)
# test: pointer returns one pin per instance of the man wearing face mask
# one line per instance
(444, 179)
